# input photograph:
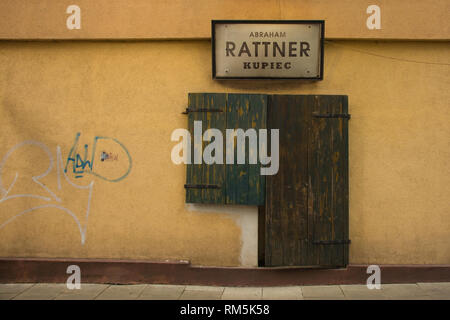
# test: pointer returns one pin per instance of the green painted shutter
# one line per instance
(205, 183)
(244, 183)
(226, 183)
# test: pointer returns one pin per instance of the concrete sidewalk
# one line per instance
(43, 291)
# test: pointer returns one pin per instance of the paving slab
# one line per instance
(410, 297)
(200, 295)
(439, 290)
(86, 292)
(402, 291)
(282, 293)
(361, 292)
(121, 292)
(11, 288)
(242, 293)
(42, 291)
(205, 288)
(7, 296)
(161, 292)
(439, 297)
(323, 292)
(325, 298)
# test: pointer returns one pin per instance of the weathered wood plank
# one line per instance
(304, 105)
(322, 173)
(262, 236)
(214, 173)
(329, 180)
(345, 181)
(257, 119)
(241, 171)
(337, 253)
(286, 191)
(232, 189)
(194, 171)
(273, 239)
(314, 250)
(243, 180)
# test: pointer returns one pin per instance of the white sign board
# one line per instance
(267, 49)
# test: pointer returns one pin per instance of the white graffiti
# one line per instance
(5, 193)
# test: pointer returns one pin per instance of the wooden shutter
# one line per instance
(205, 183)
(328, 174)
(226, 183)
(305, 220)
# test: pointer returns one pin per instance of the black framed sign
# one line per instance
(267, 49)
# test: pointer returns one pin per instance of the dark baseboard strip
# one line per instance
(20, 270)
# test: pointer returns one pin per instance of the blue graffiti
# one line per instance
(81, 164)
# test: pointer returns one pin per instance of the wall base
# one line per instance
(18, 270)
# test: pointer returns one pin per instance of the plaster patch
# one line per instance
(246, 217)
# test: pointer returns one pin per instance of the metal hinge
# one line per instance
(201, 186)
(332, 115)
(332, 241)
(201, 110)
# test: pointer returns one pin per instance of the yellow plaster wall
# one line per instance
(135, 92)
(188, 19)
